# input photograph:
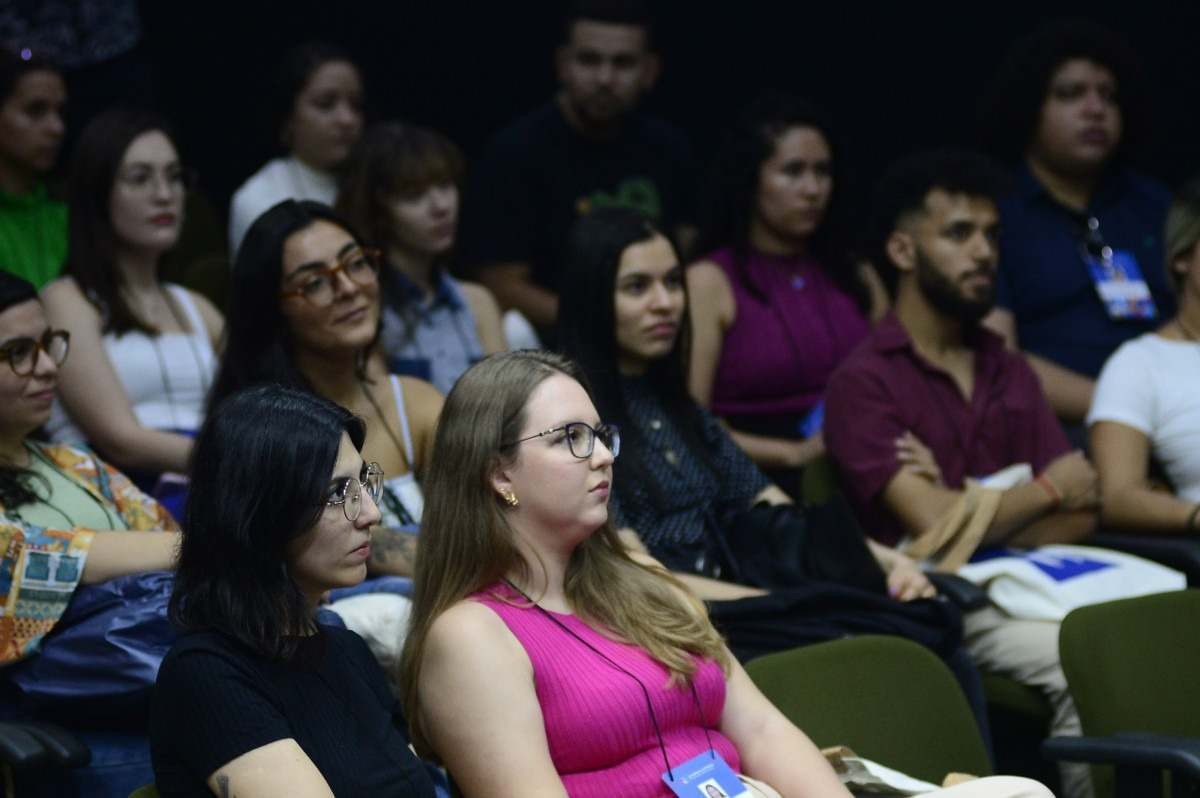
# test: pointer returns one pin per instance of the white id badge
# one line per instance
(1121, 287)
(706, 776)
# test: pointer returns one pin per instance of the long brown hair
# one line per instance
(467, 543)
(91, 240)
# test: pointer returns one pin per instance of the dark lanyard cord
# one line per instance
(662, 746)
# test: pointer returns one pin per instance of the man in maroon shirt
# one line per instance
(931, 375)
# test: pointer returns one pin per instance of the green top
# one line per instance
(33, 235)
(65, 504)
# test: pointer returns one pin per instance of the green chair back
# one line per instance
(1132, 665)
(818, 481)
(889, 699)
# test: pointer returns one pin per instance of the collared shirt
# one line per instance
(886, 388)
(687, 494)
(435, 338)
(1045, 282)
(33, 235)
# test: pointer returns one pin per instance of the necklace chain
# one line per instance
(168, 388)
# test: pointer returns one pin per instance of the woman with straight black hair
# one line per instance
(256, 698)
(776, 301)
(304, 312)
(682, 483)
(686, 470)
(145, 349)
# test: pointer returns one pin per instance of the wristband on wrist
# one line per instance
(1192, 516)
(1051, 489)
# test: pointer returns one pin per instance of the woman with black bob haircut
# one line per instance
(256, 698)
(777, 303)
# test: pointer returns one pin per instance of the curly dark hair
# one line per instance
(1009, 114)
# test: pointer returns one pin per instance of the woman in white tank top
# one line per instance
(143, 351)
(304, 312)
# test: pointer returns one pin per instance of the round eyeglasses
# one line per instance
(317, 284)
(348, 490)
(581, 438)
(22, 353)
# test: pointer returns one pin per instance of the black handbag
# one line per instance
(780, 546)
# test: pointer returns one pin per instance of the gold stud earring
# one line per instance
(511, 499)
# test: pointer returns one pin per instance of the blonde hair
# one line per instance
(1182, 231)
(467, 543)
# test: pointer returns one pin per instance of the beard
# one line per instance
(946, 296)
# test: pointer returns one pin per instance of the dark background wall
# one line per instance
(895, 76)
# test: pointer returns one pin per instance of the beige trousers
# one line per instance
(992, 787)
(1028, 652)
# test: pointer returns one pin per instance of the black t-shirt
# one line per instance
(539, 175)
(214, 701)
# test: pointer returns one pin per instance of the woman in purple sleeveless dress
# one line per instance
(774, 307)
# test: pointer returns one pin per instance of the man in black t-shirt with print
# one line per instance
(586, 148)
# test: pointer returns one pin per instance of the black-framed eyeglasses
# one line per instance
(349, 490)
(581, 438)
(318, 285)
(22, 353)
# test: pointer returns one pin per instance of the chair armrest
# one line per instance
(1160, 751)
(964, 594)
(19, 749)
(1181, 553)
(64, 747)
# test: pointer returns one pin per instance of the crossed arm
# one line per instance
(1028, 515)
(1129, 501)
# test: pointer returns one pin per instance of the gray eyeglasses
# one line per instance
(348, 492)
(581, 438)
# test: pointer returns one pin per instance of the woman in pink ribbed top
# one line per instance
(543, 659)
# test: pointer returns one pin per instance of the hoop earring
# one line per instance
(511, 499)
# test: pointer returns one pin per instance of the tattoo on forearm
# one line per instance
(393, 551)
(223, 786)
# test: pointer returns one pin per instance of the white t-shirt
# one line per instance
(280, 179)
(1153, 385)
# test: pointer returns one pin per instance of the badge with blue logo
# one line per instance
(705, 776)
